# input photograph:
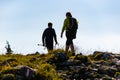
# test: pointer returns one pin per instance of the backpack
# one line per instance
(73, 28)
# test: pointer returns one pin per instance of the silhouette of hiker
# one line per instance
(48, 36)
(70, 26)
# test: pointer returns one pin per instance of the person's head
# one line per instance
(50, 25)
(68, 14)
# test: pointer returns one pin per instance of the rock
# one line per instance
(81, 58)
(25, 71)
(8, 77)
(118, 62)
(99, 66)
(7, 62)
(102, 55)
(58, 58)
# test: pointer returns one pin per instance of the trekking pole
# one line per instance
(41, 45)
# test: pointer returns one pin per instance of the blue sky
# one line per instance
(22, 23)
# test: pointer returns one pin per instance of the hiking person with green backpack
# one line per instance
(70, 25)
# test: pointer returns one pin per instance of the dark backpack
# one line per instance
(73, 28)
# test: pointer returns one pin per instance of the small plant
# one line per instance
(8, 48)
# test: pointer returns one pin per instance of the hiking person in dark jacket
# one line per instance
(48, 36)
(70, 26)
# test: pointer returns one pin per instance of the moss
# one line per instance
(98, 56)
(48, 71)
(82, 58)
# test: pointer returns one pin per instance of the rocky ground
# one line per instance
(97, 66)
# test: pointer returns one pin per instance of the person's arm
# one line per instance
(63, 28)
(43, 37)
(55, 37)
(62, 32)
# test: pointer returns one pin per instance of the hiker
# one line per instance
(48, 36)
(70, 25)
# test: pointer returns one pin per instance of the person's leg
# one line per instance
(66, 48)
(67, 45)
(69, 42)
(72, 47)
(49, 50)
(49, 47)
